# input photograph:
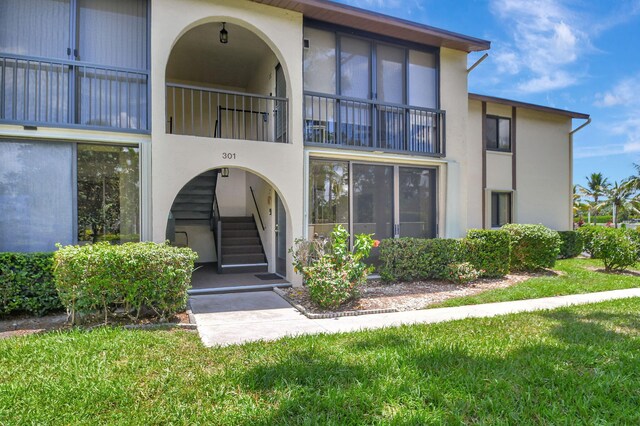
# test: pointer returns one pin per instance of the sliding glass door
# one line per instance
(417, 202)
(373, 200)
(388, 201)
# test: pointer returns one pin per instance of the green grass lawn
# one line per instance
(577, 279)
(577, 365)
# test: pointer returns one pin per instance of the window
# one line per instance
(320, 61)
(498, 136)
(36, 195)
(366, 93)
(328, 196)
(500, 209)
(46, 197)
(108, 194)
(75, 62)
(380, 199)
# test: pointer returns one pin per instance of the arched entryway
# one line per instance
(237, 223)
(232, 87)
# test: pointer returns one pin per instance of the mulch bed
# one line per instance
(20, 325)
(376, 295)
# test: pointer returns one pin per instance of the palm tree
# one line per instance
(596, 186)
(579, 205)
(635, 179)
(620, 197)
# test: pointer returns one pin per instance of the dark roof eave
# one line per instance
(349, 16)
(518, 104)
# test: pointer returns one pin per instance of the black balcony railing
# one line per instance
(371, 125)
(41, 91)
(201, 111)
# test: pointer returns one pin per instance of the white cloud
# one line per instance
(626, 92)
(546, 41)
(607, 150)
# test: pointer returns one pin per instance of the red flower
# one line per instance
(376, 243)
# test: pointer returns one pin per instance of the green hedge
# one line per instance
(588, 232)
(533, 247)
(26, 284)
(616, 247)
(413, 259)
(572, 244)
(488, 251)
(132, 276)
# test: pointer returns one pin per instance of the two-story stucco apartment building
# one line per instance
(236, 126)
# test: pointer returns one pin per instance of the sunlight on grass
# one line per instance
(572, 365)
(578, 276)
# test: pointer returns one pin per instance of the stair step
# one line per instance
(191, 215)
(236, 219)
(243, 249)
(195, 198)
(252, 233)
(192, 222)
(239, 269)
(198, 192)
(189, 207)
(239, 241)
(238, 226)
(237, 289)
(242, 259)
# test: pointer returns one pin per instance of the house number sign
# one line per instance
(228, 155)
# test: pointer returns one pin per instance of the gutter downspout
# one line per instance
(476, 63)
(571, 133)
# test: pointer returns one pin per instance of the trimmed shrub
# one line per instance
(133, 276)
(488, 251)
(588, 232)
(26, 284)
(616, 248)
(533, 247)
(634, 234)
(410, 259)
(572, 244)
(332, 272)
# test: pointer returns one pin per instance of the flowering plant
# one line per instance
(332, 271)
(462, 273)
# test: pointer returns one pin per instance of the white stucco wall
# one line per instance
(474, 169)
(454, 100)
(232, 193)
(543, 169)
(176, 159)
(499, 171)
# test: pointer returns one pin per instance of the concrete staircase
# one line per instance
(241, 249)
(193, 204)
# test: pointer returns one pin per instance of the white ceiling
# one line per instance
(200, 57)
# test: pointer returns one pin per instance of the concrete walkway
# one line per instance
(228, 319)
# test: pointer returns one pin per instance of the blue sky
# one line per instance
(578, 55)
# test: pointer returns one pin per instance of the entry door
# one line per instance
(281, 238)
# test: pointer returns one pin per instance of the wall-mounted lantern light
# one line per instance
(225, 172)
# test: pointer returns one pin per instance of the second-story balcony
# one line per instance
(75, 64)
(37, 91)
(363, 124)
(216, 113)
(230, 90)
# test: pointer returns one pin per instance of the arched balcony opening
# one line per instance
(224, 81)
